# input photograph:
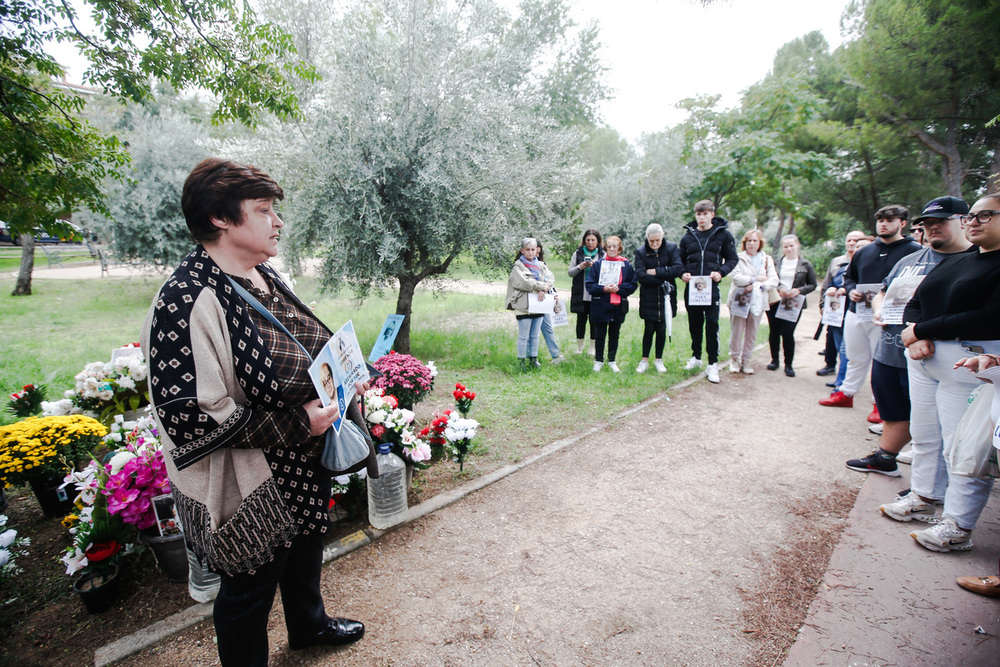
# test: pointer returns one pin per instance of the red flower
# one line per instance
(99, 551)
(459, 386)
(378, 430)
(332, 503)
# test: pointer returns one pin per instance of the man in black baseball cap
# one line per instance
(942, 208)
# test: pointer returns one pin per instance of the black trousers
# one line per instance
(706, 317)
(782, 334)
(581, 322)
(611, 330)
(245, 600)
(651, 327)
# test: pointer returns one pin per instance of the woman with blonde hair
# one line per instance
(753, 277)
(796, 276)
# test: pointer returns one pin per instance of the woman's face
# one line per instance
(613, 248)
(985, 235)
(590, 241)
(257, 236)
(752, 245)
(530, 251)
(790, 247)
(654, 241)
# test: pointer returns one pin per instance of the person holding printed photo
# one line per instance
(609, 301)
(752, 278)
(796, 276)
(527, 282)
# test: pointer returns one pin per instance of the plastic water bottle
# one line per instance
(387, 494)
(203, 584)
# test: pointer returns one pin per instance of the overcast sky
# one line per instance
(662, 51)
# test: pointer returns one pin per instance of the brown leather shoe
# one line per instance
(989, 586)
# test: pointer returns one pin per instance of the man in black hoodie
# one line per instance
(707, 249)
(870, 265)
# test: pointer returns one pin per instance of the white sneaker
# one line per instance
(875, 428)
(905, 456)
(712, 371)
(598, 365)
(643, 365)
(558, 360)
(908, 508)
(614, 367)
(747, 369)
(660, 368)
(734, 367)
(694, 363)
(944, 536)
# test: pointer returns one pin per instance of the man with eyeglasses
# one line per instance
(869, 265)
(942, 225)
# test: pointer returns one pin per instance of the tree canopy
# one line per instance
(436, 132)
(53, 161)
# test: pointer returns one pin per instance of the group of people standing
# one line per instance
(603, 279)
(932, 320)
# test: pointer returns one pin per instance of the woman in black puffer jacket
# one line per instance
(657, 263)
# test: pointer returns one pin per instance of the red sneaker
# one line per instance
(838, 399)
(874, 417)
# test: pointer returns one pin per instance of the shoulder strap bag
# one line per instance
(345, 452)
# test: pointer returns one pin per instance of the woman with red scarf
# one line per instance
(609, 287)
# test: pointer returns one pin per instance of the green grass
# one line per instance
(10, 258)
(49, 337)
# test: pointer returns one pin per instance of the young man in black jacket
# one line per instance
(707, 249)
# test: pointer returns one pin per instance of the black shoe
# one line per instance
(875, 462)
(773, 366)
(534, 363)
(789, 372)
(831, 385)
(338, 632)
(826, 370)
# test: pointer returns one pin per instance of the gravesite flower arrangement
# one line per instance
(41, 446)
(11, 546)
(27, 402)
(463, 398)
(391, 423)
(405, 378)
(460, 432)
(132, 477)
(104, 389)
(433, 433)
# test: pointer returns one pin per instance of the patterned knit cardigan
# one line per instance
(212, 382)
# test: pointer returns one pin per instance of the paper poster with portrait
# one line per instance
(546, 305)
(700, 291)
(560, 313)
(611, 273)
(122, 352)
(328, 384)
(897, 296)
(833, 310)
(166, 515)
(863, 308)
(386, 337)
(740, 303)
(790, 307)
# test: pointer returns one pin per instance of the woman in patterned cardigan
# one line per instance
(239, 416)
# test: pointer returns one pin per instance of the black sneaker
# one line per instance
(826, 370)
(773, 366)
(875, 462)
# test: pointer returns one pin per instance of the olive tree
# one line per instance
(433, 134)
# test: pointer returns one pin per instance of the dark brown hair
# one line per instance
(893, 211)
(217, 189)
(600, 240)
(704, 205)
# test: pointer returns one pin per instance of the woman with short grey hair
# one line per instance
(657, 263)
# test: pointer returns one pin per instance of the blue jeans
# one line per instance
(549, 334)
(527, 336)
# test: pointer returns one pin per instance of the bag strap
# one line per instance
(259, 307)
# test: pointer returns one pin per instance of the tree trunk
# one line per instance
(404, 307)
(776, 243)
(23, 285)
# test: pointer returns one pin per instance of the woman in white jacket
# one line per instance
(753, 276)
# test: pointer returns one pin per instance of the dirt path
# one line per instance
(629, 547)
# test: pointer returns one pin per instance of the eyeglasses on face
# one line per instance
(982, 217)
